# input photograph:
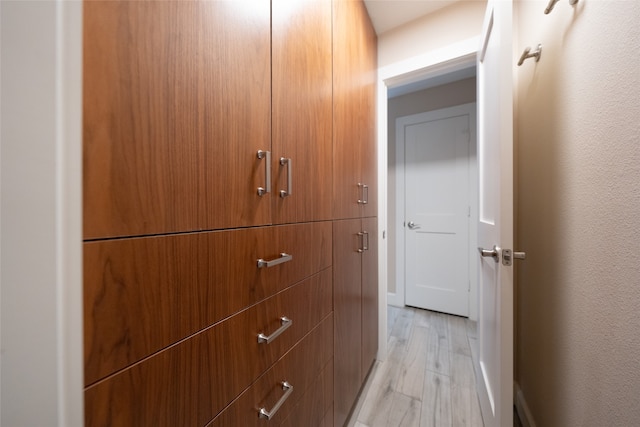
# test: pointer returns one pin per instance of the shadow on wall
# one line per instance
(578, 202)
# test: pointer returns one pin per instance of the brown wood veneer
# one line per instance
(307, 367)
(141, 295)
(302, 109)
(191, 382)
(354, 110)
(176, 103)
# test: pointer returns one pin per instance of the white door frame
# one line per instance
(473, 216)
(448, 59)
(41, 199)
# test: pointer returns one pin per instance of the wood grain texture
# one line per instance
(369, 296)
(176, 103)
(191, 382)
(347, 294)
(354, 88)
(302, 108)
(307, 367)
(315, 403)
(141, 295)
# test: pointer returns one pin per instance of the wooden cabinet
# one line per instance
(302, 110)
(307, 368)
(354, 196)
(190, 382)
(176, 104)
(141, 295)
(370, 293)
(354, 89)
(191, 112)
(355, 292)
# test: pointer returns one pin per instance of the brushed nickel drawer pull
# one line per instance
(285, 322)
(282, 258)
(365, 246)
(365, 194)
(288, 191)
(288, 389)
(267, 172)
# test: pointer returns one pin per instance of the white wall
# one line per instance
(460, 21)
(40, 214)
(578, 160)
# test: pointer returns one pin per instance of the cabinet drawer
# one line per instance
(307, 367)
(190, 382)
(316, 403)
(141, 295)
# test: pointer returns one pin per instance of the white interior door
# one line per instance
(437, 207)
(495, 226)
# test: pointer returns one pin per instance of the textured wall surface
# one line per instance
(578, 192)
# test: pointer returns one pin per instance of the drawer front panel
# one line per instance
(189, 383)
(307, 368)
(315, 403)
(142, 295)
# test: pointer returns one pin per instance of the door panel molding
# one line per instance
(402, 123)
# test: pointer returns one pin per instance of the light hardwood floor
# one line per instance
(428, 377)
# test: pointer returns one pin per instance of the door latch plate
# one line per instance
(507, 257)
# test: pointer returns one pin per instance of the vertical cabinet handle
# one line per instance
(285, 322)
(284, 257)
(264, 413)
(287, 161)
(365, 194)
(267, 172)
(365, 246)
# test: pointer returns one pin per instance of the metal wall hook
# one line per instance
(552, 3)
(528, 54)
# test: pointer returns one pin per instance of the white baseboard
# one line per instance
(395, 300)
(521, 406)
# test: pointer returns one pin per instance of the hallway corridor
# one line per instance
(428, 378)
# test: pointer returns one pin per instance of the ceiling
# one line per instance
(389, 14)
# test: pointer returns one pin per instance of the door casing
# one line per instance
(448, 59)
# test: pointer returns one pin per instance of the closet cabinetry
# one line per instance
(354, 89)
(354, 203)
(355, 286)
(177, 103)
(302, 110)
(228, 164)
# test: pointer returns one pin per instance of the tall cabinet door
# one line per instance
(347, 297)
(175, 109)
(369, 294)
(354, 82)
(302, 110)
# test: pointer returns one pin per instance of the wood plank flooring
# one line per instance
(428, 378)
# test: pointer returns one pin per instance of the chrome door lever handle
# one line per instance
(493, 253)
(412, 225)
